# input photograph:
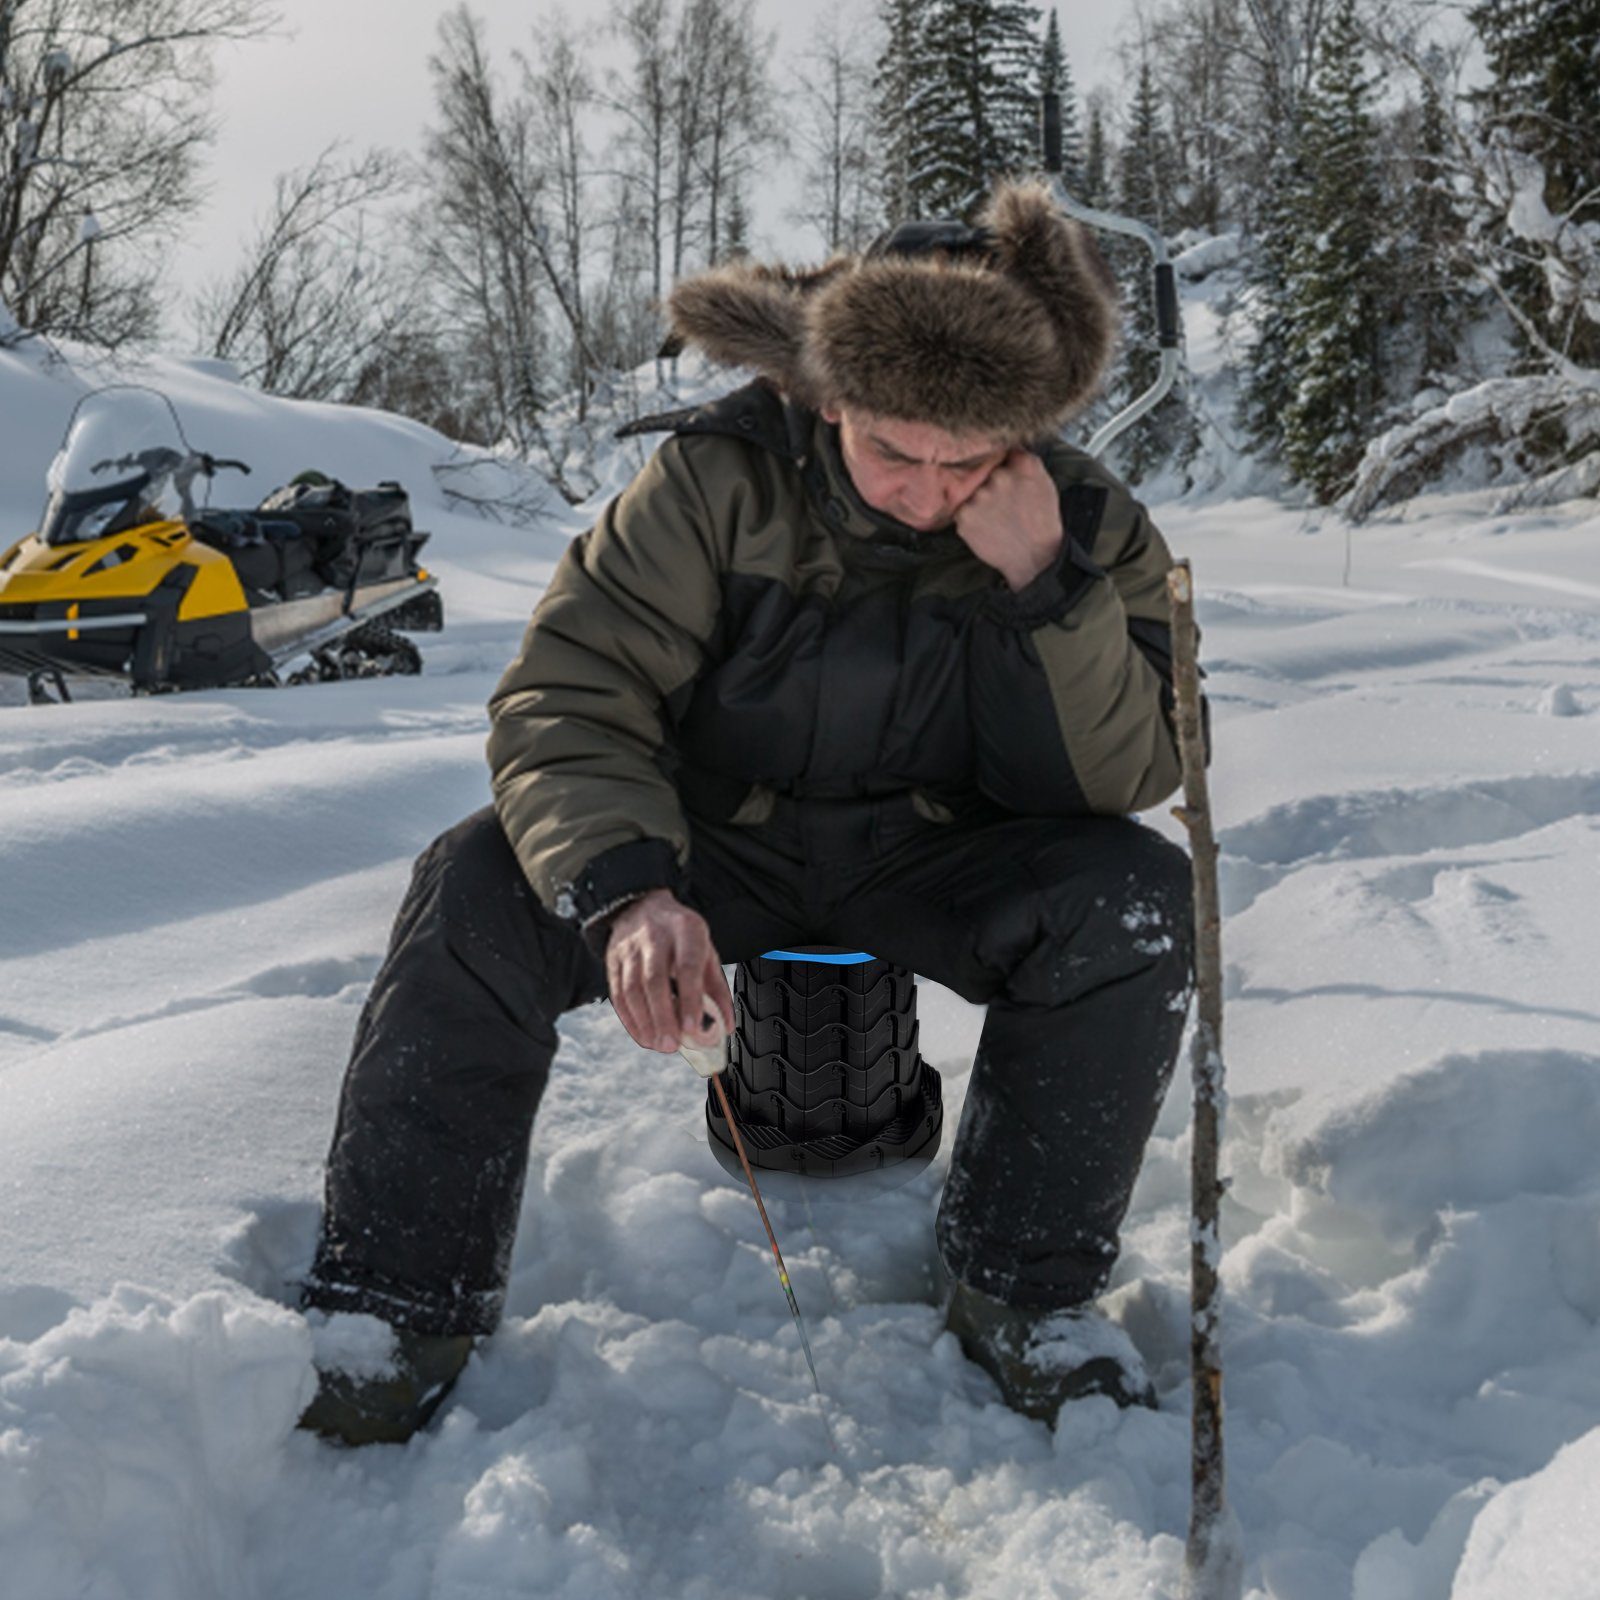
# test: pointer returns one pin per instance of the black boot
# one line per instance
(1041, 1359)
(388, 1407)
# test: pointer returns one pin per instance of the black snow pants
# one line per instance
(1075, 931)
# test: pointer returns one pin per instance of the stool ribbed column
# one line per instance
(824, 1074)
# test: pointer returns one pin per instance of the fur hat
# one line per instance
(1005, 329)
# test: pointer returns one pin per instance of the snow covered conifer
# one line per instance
(1096, 189)
(900, 85)
(1056, 76)
(1147, 157)
(981, 112)
(1545, 59)
(1334, 265)
(1428, 295)
(1268, 376)
(1525, 174)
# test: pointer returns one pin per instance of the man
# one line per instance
(865, 656)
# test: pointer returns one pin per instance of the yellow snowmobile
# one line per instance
(127, 578)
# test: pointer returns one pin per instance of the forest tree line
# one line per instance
(1416, 207)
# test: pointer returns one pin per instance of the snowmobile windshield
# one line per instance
(124, 462)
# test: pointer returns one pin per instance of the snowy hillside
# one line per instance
(196, 889)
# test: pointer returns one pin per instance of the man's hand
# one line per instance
(664, 974)
(1012, 521)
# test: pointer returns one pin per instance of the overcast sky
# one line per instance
(357, 70)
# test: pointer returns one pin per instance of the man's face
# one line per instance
(913, 471)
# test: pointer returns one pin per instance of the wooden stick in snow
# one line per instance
(1213, 1559)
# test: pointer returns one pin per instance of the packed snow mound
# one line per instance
(1456, 1136)
(138, 1439)
(1537, 1537)
(278, 438)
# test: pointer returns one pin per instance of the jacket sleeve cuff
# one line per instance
(1052, 594)
(596, 931)
(614, 878)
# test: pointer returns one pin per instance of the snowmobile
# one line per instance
(128, 579)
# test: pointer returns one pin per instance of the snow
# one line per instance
(1207, 254)
(1535, 1537)
(197, 891)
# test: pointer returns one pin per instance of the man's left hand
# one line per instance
(1012, 522)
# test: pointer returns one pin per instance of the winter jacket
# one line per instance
(739, 625)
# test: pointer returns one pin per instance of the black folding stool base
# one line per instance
(824, 1074)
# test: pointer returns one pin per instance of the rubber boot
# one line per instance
(1042, 1359)
(388, 1407)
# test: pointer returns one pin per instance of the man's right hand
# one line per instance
(664, 973)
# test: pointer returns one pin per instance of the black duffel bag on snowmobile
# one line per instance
(274, 556)
(360, 534)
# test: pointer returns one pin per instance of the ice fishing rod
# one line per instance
(1169, 323)
(709, 1061)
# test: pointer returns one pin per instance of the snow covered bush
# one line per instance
(1513, 426)
(1543, 267)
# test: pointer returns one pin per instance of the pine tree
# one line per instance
(900, 87)
(1429, 297)
(1147, 160)
(1096, 189)
(981, 119)
(1138, 188)
(1168, 433)
(1056, 76)
(1268, 379)
(1334, 345)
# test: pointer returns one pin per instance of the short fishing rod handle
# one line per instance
(707, 1059)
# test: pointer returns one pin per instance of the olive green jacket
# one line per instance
(739, 624)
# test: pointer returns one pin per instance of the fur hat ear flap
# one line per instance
(1056, 259)
(746, 315)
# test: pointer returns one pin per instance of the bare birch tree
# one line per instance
(695, 41)
(104, 109)
(642, 97)
(738, 123)
(1234, 73)
(558, 84)
(832, 130)
(317, 296)
(695, 109)
(474, 247)
(502, 229)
